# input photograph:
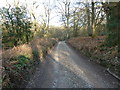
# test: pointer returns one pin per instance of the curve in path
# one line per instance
(65, 68)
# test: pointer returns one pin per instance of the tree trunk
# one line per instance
(93, 20)
(88, 20)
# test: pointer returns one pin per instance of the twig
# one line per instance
(113, 74)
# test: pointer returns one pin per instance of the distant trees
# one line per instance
(32, 14)
(89, 16)
(95, 18)
(63, 10)
(92, 19)
(99, 19)
(46, 18)
(86, 19)
(57, 32)
(16, 25)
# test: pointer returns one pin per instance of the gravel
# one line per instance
(65, 68)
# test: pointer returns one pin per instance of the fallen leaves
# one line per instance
(15, 67)
(92, 47)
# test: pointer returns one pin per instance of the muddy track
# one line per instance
(65, 68)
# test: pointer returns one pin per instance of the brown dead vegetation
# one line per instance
(31, 54)
(96, 51)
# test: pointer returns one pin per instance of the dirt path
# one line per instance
(64, 68)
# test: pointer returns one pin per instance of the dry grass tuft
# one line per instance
(34, 52)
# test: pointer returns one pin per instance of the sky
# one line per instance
(39, 11)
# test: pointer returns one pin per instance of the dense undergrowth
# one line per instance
(20, 61)
(95, 49)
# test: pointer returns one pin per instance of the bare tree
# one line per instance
(88, 19)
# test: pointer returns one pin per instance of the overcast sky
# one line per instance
(38, 11)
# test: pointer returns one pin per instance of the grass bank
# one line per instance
(20, 61)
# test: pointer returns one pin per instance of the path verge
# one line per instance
(91, 48)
